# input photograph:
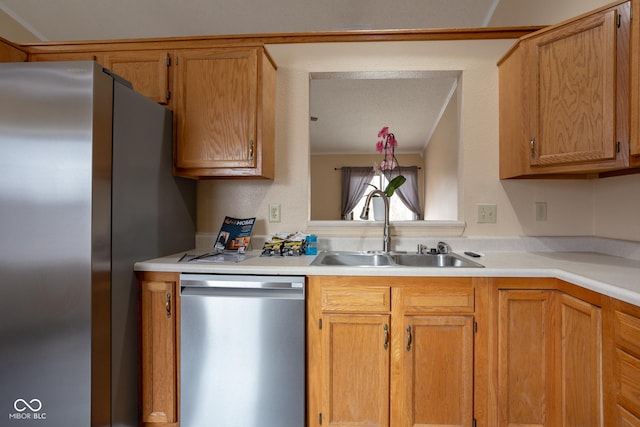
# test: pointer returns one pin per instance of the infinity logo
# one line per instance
(22, 405)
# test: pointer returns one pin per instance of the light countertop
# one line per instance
(609, 275)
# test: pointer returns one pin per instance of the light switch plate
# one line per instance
(487, 213)
(541, 211)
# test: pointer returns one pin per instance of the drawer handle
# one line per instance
(167, 305)
(386, 336)
(409, 338)
(251, 150)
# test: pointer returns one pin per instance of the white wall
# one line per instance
(570, 203)
(540, 12)
(441, 165)
(617, 207)
(13, 31)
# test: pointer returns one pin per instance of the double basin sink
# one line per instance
(392, 259)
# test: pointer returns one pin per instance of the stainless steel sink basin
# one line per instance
(373, 259)
(433, 260)
(353, 259)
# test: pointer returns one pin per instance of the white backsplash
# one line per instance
(621, 248)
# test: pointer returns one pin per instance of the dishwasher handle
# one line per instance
(275, 287)
(240, 292)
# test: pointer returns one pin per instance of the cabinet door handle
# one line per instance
(386, 336)
(409, 338)
(532, 142)
(251, 150)
(167, 305)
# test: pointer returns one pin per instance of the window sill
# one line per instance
(398, 228)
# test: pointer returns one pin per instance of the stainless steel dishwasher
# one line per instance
(242, 351)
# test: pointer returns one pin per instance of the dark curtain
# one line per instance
(408, 192)
(354, 185)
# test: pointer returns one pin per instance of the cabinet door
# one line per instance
(580, 362)
(573, 92)
(148, 71)
(158, 352)
(513, 130)
(217, 112)
(355, 360)
(635, 86)
(525, 357)
(437, 361)
(549, 359)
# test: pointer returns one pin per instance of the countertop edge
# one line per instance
(609, 275)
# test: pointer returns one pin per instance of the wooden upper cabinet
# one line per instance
(224, 113)
(148, 71)
(635, 85)
(10, 53)
(572, 81)
(67, 56)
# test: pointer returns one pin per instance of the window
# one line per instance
(398, 211)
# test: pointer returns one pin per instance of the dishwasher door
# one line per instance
(242, 351)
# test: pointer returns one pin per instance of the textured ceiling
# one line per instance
(350, 108)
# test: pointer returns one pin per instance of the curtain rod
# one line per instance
(400, 167)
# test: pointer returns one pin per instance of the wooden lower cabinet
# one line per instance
(524, 355)
(355, 369)
(626, 418)
(627, 363)
(390, 351)
(549, 359)
(579, 357)
(158, 349)
(436, 386)
(435, 351)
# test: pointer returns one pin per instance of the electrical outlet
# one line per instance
(487, 213)
(274, 212)
(541, 211)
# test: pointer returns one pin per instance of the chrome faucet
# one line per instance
(443, 248)
(386, 236)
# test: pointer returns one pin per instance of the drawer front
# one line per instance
(626, 418)
(358, 298)
(628, 379)
(628, 332)
(434, 297)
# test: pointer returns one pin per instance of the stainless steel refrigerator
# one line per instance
(86, 190)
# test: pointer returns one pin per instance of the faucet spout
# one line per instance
(386, 235)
